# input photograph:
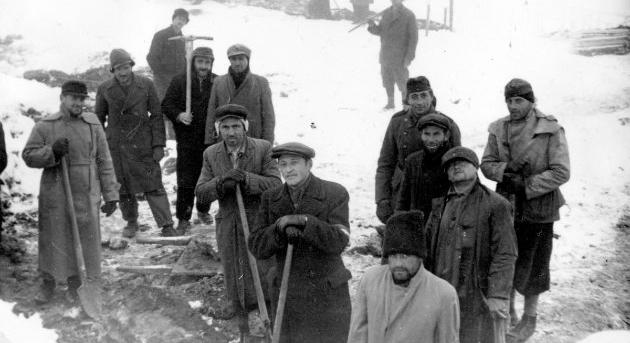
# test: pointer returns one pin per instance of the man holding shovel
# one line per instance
(78, 137)
(237, 163)
(310, 215)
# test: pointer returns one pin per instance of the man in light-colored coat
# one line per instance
(403, 302)
(77, 136)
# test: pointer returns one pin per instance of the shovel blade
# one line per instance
(90, 297)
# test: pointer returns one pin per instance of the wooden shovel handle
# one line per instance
(282, 299)
(73, 221)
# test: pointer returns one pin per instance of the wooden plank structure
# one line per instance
(600, 42)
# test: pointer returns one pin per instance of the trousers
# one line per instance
(158, 202)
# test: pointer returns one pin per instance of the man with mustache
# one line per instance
(403, 138)
(528, 155)
(244, 161)
(136, 140)
(77, 136)
(472, 245)
(402, 301)
(190, 133)
(242, 87)
(424, 178)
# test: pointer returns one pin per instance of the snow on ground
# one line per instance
(17, 329)
(327, 89)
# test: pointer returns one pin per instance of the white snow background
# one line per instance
(332, 95)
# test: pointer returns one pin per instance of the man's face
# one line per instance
(179, 22)
(203, 65)
(397, 2)
(461, 171)
(239, 63)
(123, 73)
(73, 104)
(518, 107)
(232, 131)
(433, 138)
(294, 169)
(420, 102)
(403, 267)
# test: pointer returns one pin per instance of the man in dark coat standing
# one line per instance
(190, 133)
(528, 155)
(311, 214)
(424, 178)
(472, 245)
(244, 161)
(242, 87)
(136, 140)
(3, 165)
(401, 139)
(399, 37)
(77, 136)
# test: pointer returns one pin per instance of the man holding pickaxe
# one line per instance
(235, 172)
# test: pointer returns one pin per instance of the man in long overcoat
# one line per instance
(242, 87)
(403, 138)
(311, 214)
(472, 245)
(399, 37)
(3, 165)
(77, 136)
(136, 140)
(244, 161)
(190, 133)
(528, 155)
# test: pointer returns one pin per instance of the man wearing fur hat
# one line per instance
(399, 37)
(403, 138)
(424, 178)
(244, 161)
(312, 214)
(242, 87)
(136, 140)
(402, 301)
(472, 245)
(527, 154)
(190, 133)
(77, 136)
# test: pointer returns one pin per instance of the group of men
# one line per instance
(449, 244)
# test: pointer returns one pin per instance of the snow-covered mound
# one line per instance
(17, 329)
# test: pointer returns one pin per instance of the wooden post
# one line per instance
(444, 21)
(450, 19)
(426, 25)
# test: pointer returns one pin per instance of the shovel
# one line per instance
(89, 294)
(282, 299)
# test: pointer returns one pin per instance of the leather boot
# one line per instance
(169, 231)
(182, 227)
(390, 103)
(46, 291)
(74, 282)
(523, 331)
(205, 218)
(129, 231)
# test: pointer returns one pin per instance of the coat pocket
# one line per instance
(543, 208)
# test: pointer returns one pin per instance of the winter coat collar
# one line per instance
(135, 82)
(87, 117)
(546, 124)
(414, 285)
(248, 153)
(313, 190)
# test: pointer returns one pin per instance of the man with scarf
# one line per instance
(403, 138)
(242, 87)
(190, 133)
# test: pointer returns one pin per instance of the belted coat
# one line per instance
(399, 36)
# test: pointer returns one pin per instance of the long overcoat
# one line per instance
(91, 175)
(318, 301)
(132, 133)
(546, 154)
(254, 94)
(262, 174)
(167, 57)
(399, 36)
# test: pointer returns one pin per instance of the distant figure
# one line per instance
(79, 137)
(361, 9)
(528, 155)
(399, 37)
(242, 87)
(3, 166)
(136, 140)
(402, 301)
(319, 9)
(190, 133)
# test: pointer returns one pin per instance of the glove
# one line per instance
(238, 175)
(227, 186)
(298, 220)
(498, 308)
(515, 166)
(514, 183)
(293, 234)
(184, 118)
(158, 153)
(371, 23)
(384, 210)
(60, 147)
(108, 208)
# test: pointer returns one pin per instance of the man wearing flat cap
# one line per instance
(190, 133)
(311, 214)
(472, 245)
(402, 301)
(528, 156)
(403, 138)
(136, 141)
(242, 87)
(78, 137)
(244, 161)
(424, 178)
